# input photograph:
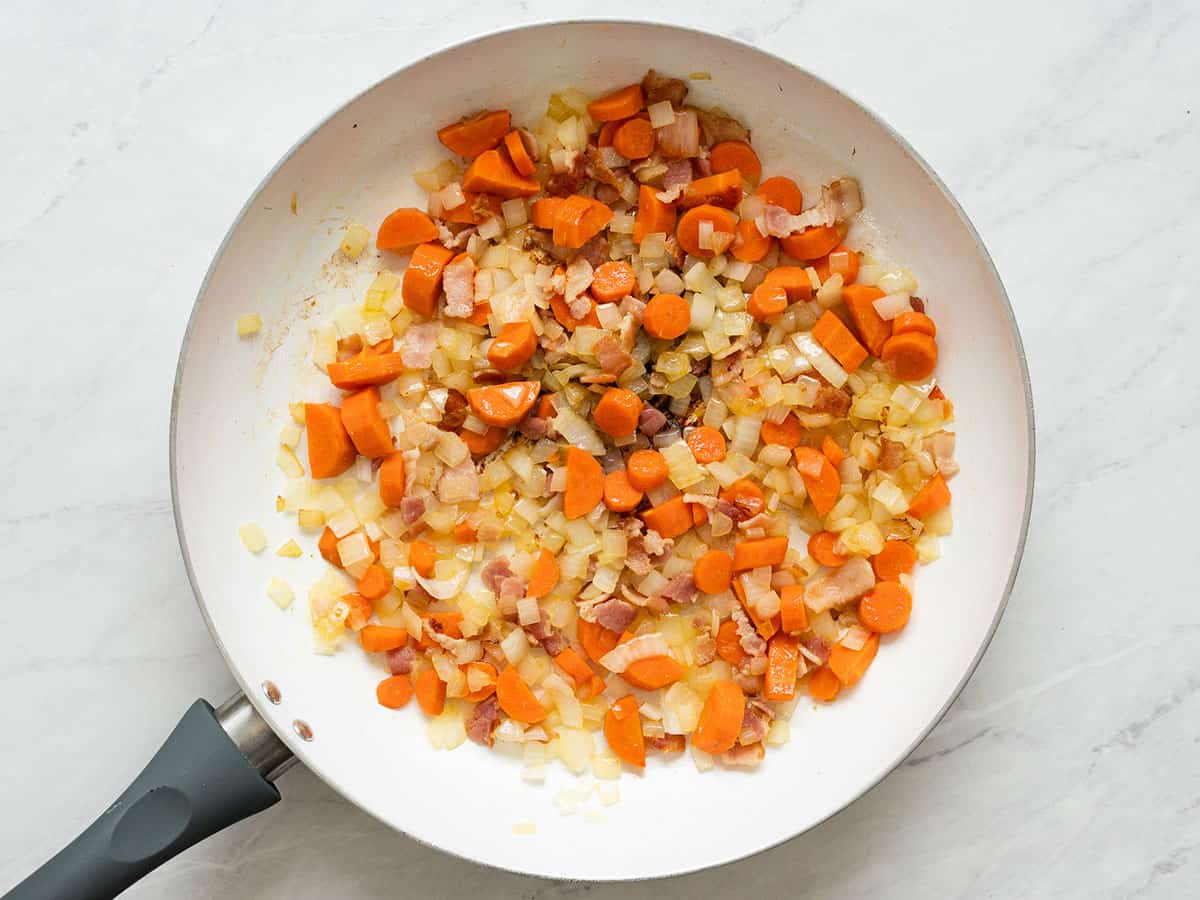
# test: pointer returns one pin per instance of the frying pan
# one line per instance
(231, 398)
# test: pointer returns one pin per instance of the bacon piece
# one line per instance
(483, 721)
(400, 661)
(612, 357)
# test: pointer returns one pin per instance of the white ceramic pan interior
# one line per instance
(232, 400)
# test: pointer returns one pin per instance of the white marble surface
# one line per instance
(132, 133)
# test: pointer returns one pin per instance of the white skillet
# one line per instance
(231, 398)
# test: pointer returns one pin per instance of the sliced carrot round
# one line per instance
(713, 572)
(585, 483)
(911, 356)
(895, 559)
(707, 444)
(721, 718)
(471, 136)
(619, 494)
(482, 444)
(822, 547)
(543, 576)
(666, 316)
(750, 245)
(914, 321)
(746, 496)
(518, 153)
(653, 216)
(516, 699)
(738, 155)
(688, 230)
(620, 104)
(823, 685)
(404, 228)
(431, 692)
(513, 346)
(394, 692)
(840, 260)
(783, 192)
(623, 731)
(504, 405)
(595, 639)
(634, 139)
(886, 607)
(767, 301)
(612, 281)
(647, 469)
(422, 282)
(489, 687)
(788, 433)
(811, 243)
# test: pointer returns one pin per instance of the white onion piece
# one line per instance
(891, 305)
(528, 612)
(515, 646)
(443, 588)
(855, 637)
(576, 431)
(661, 114)
(641, 647)
(829, 368)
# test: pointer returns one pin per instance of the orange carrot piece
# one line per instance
(504, 405)
(783, 665)
(762, 552)
(360, 610)
(474, 210)
(518, 153)
(895, 559)
(617, 412)
(670, 519)
(394, 692)
(367, 428)
(729, 645)
(422, 556)
(719, 189)
(707, 444)
(911, 356)
(634, 139)
(767, 301)
(620, 104)
(330, 450)
(793, 615)
(929, 499)
(483, 444)
(782, 191)
(750, 245)
(721, 718)
(491, 173)
(886, 607)
(619, 494)
(543, 577)
(794, 280)
(736, 155)
(422, 282)
(623, 731)
(666, 316)
(392, 479)
(822, 547)
(562, 312)
(595, 639)
(914, 321)
(404, 228)
(832, 451)
(585, 483)
(872, 329)
(850, 665)
(841, 260)
(545, 406)
(472, 136)
(489, 687)
(375, 582)
(516, 699)
(431, 692)
(512, 347)
(811, 243)
(647, 469)
(820, 478)
(832, 334)
(699, 514)
(465, 532)
(612, 281)
(788, 433)
(447, 623)
(823, 685)
(544, 212)
(382, 638)
(607, 130)
(653, 672)
(364, 370)
(653, 216)
(580, 219)
(688, 230)
(713, 572)
(575, 666)
(746, 496)
(327, 544)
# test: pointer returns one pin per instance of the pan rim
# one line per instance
(297, 747)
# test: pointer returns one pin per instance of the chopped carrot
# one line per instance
(788, 433)
(607, 130)
(474, 210)
(886, 607)
(330, 450)
(562, 312)
(543, 577)
(613, 280)
(832, 334)
(575, 666)
(832, 451)
(841, 260)
(822, 547)
(327, 544)
(360, 610)
(914, 321)
(382, 638)
(823, 685)
(811, 243)
(620, 104)
(713, 572)
(647, 469)
(544, 212)
(699, 514)
(634, 139)
(617, 412)
(516, 699)
(666, 316)
(365, 370)
(729, 645)
(762, 552)
(793, 615)
(872, 329)
(767, 301)
(422, 282)
(404, 228)
(447, 623)
(820, 478)
(850, 665)
(652, 672)
(707, 444)
(782, 191)
(387, 345)
(720, 189)
(736, 155)
(783, 665)
(392, 479)
(653, 216)
(483, 444)
(422, 556)
(394, 692)
(480, 314)
(465, 532)
(688, 230)
(579, 219)
(911, 356)
(512, 347)
(895, 559)
(794, 280)
(721, 718)
(746, 496)
(491, 173)
(431, 692)
(670, 518)
(375, 582)
(367, 428)
(489, 686)
(504, 405)
(929, 499)
(750, 245)
(623, 731)
(619, 494)
(595, 639)
(545, 406)
(518, 153)
(472, 136)
(585, 483)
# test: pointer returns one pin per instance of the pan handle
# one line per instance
(216, 768)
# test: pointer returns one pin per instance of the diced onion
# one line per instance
(442, 588)
(528, 612)
(515, 646)
(891, 305)
(281, 592)
(661, 114)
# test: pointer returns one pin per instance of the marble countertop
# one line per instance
(1069, 767)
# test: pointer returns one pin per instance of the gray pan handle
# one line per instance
(215, 769)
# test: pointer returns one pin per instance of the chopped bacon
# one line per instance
(455, 411)
(400, 661)
(751, 641)
(680, 589)
(834, 401)
(774, 221)
(411, 509)
(658, 88)
(680, 139)
(940, 446)
(579, 276)
(452, 240)
(841, 586)
(917, 304)
(511, 589)
(483, 721)
(633, 308)
(637, 560)
(417, 345)
(743, 756)
(458, 281)
(547, 636)
(459, 484)
(651, 421)
(656, 544)
(814, 649)
(668, 743)
(718, 127)
(607, 194)
(494, 571)
(706, 650)
(595, 251)
(891, 454)
(678, 175)
(612, 357)
(614, 614)
(756, 722)
(726, 370)
(597, 168)
(534, 427)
